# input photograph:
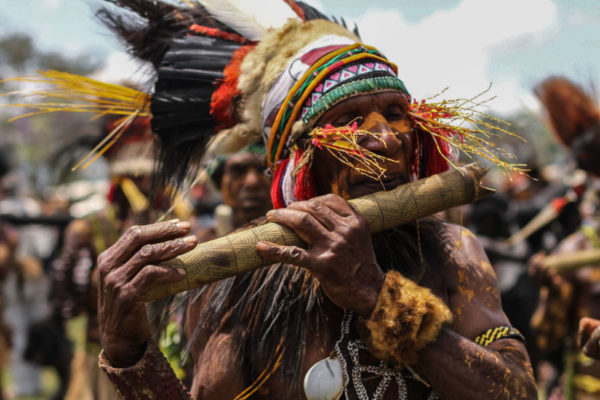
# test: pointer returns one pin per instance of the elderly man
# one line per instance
(410, 302)
(409, 313)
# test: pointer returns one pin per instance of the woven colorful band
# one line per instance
(350, 89)
(348, 73)
(500, 332)
(313, 78)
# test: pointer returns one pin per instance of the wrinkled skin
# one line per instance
(124, 327)
(340, 255)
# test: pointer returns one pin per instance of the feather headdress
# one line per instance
(196, 49)
(570, 109)
(223, 77)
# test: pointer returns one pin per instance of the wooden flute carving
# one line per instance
(235, 253)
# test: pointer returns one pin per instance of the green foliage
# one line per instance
(171, 345)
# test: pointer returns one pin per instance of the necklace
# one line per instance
(356, 373)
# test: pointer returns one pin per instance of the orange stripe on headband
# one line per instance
(323, 74)
(299, 83)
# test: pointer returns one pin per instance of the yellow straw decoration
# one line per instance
(75, 93)
(343, 144)
(458, 124)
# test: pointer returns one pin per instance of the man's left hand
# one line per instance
(339, 251)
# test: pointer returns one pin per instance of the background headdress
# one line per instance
(570, 109)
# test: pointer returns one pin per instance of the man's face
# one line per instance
(385, 113)
(245, 187)
(586, 150)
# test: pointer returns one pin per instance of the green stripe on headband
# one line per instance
(351, 89)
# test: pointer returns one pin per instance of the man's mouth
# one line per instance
(253, 200)
(385, 183)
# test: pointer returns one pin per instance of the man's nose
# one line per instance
(252, 178)
(386, 142)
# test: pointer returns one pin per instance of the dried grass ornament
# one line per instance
(457, 124)
(343, 144)
(67, 92)
(453, 125)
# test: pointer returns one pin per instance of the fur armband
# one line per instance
(406, 318)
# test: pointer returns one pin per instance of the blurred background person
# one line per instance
(566, 297)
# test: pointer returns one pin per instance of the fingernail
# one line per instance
(270, 212)
(184, 225)
(190, 239)
(181, 271)
(174, 220)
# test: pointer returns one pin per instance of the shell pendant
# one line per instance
(324, 380)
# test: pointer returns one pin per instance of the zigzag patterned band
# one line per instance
(344, 91)
(500, 332)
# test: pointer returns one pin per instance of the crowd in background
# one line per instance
(48, 246)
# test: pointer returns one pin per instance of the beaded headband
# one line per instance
(339, 74)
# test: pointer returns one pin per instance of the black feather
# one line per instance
(311, 13)
(188, 68)
(147, 27)
(187, 77)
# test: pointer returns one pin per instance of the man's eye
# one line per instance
(236, 170)
(395, 113)
(345, 119)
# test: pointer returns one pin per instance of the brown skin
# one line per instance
(589, 337)
(340, 255)
(245, 187)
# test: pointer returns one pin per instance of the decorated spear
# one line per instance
(235, 253)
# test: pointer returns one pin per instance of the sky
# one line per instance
(462, 45)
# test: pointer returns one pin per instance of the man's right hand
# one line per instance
(127, 271)
(589, 337)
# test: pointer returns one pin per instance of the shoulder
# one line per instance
(464, 244)
(217, 372)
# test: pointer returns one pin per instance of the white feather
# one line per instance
(250, 18)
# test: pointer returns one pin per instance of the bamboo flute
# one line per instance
(235, 253)
(571, 261)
